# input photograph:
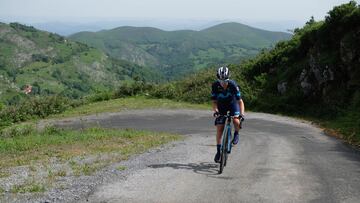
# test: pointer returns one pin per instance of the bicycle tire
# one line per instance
(225, 151)
(222, 160)
(223, 155)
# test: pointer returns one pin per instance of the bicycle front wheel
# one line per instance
(223, 151)
(222, 159)
(226, 151)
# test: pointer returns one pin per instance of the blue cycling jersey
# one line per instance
(227, 99)
(225, 96)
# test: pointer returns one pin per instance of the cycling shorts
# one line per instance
(234, 109)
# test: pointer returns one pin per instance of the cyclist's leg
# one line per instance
(219, 123)
(235, 111)
(236, 122)
(219, 131)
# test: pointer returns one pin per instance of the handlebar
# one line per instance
(241, 117)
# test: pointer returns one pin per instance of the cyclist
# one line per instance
(226, 96)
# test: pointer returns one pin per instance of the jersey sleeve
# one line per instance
(214, 93)
(236, 90)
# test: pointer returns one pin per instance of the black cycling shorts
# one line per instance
(234, 109)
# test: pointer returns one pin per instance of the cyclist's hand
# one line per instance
(242, 117)
(216, 114)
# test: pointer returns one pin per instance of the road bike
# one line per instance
(226, 139)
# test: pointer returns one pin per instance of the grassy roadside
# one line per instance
(345, 127)
(138, 102)
(23, 144)
(78, 152)
(54, 153)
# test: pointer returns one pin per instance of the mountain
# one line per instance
(175, 53)
(52, 64)
(68, 27)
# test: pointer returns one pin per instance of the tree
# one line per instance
(339, 12)
(311, 21)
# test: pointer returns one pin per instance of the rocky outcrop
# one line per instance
(316, 77)
(282, 87)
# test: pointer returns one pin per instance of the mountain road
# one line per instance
(278, 159)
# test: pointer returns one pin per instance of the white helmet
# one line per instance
(223, 73)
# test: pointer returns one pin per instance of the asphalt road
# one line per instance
(278, 159)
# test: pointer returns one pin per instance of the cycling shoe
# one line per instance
(217, 157)
(236, 139)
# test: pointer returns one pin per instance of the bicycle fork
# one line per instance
(227, 139)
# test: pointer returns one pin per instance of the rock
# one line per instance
(282, 87)
(328, 74)
(303, 75)
(306, 87)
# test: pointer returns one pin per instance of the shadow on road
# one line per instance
(200, 168)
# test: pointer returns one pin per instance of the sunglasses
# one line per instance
(224, 81)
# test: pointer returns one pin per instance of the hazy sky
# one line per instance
(248, 10)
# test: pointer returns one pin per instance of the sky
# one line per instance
(255, 11)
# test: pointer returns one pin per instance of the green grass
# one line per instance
(346, 127)
(30, 186)
(121, 168)
(61, 173)
(116, 105)
(4, 174)
(25, 146)
(85, 151)
(88, 168)
(90, 56)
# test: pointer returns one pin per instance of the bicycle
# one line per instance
(226, 140)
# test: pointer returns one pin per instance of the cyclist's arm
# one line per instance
(242, 107)
(237, 93)
(214, 97)
(214, 106)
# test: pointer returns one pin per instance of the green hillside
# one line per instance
(315, 74)
(177, 52)
(235, 33)
(52, 64)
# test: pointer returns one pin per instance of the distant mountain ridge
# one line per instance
(177, 52)
(66, 27)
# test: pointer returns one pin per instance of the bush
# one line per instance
(103, 96)
(33, 108)
(17, 131)
(40, 57)
(18, 26)
(134, 88)
(166, 91)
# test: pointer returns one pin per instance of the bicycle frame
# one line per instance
(226, 142)
(227, 135)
